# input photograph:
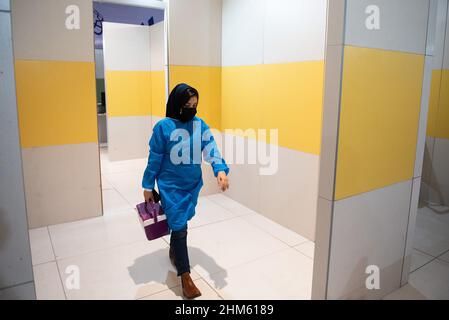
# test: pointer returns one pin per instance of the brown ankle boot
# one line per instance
(189, 289)
(171, 254)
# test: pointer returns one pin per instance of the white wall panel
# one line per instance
(126, 47)
(15, 254)
(40, 33)
(56, 178)
(294, 30)
(368, 229)
(195, 32)
(243, 34)
(128, 137)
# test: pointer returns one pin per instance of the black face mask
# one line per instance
(187, 114)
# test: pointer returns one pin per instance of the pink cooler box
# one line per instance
(153, 220)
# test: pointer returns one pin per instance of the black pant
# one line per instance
(178, 243)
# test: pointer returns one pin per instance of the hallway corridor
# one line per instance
(235, 252)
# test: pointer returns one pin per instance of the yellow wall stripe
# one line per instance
(128, 93)
(287, 97)
(379, 119)
(207, 80)
(438, 118)
(56, 102)
(158, 99)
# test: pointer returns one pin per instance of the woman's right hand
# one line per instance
(148, 195)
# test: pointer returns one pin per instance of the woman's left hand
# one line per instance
(223, 182)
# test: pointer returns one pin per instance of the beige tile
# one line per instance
(403, 25)
(126, 272)
(302, 25)
(244, 185)
(407, 292)
(282, 275)
(419, 259)
(244, 179)
(444, 257)
(47, 281)
(129, 185)
(175, 293)
(276, 230)
(231, 205)
(378, 221)
(243, 26)
(157, 42)
(195, 42)
(128, 137)
(133, 165)
(105, 185)
(126, 47)
(432, 232)
(208, 212)
(25, 291)
(76, 238)
(290, 196)
(216, 247)
(308, 249)
(40, 32)
(62, 183)
(114, 203)
(432, 280)
(41, 247)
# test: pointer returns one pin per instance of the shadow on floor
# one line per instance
(141, 270)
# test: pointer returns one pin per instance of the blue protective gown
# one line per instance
(179, 184)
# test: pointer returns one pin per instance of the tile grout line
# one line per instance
(42, 263)
(430, 261)
(250, 224)
(250, 261)
(223, 207)
(99, 250)
(303, 253)
(19, 284)
(260, 228)
(213, 289)
(247, 262)
(421, 251)
(438, 257)
(122, 196)
(273, 236)
(56, 262)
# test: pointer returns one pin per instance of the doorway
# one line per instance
(428, 276)
(131, 78)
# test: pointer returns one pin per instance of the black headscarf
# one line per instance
(177, 100)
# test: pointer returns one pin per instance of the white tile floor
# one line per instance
(235, 253)
(429, 277)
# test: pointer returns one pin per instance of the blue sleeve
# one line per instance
(210, 151)
(157, 150)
